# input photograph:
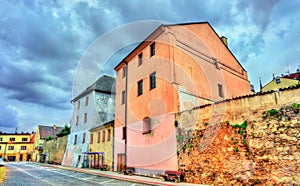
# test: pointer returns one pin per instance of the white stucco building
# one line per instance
(91, 108)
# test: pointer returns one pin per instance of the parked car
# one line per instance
(2, 162)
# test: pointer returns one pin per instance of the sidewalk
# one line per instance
(115, 175)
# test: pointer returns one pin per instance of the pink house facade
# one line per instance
(177, 68)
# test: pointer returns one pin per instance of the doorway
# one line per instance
(121, 162)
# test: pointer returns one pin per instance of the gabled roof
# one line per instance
(46, 131)
(293, 76)
(105, 84)
(179, 24)
(109, 123)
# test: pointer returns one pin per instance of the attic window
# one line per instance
(215, 63)
(278, 81)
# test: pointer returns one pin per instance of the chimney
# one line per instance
(224, 40)
(54, 126)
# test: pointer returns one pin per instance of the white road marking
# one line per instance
(33, 175)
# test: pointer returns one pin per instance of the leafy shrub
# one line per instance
(48, 138)
(65, 131)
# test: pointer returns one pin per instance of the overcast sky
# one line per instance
(42, 43)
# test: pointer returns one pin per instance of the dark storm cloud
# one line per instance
(8, 117)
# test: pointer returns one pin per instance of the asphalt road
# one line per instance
(31, 174)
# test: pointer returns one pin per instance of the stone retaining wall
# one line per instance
(247, 141)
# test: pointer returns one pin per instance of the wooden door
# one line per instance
(121, 162)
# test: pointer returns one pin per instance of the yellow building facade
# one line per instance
(100, 153)
(280, 82)
(16, 146)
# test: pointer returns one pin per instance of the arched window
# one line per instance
(146, 125)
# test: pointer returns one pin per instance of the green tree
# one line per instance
(65, 131)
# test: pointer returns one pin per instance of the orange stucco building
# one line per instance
(178, 67)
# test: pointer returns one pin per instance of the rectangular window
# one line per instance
(220, 88)
(123, 97)
(75, 140)
(108, 134)
(83, 138)
(153, 80)
(278, 81)
(12, 139)
(11, 147)
(1, 139)
(23, 147)
(24, 139)
(123, 132)
(78, 104)
(140, 59)
(85, 117)
(140, 87)
(152, 49)
(0, 147)
(77, 120)
(124, 71)
(91, 138)
(98, 137)
(103, 136)
(86, 101)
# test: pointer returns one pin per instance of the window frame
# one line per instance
(151, 78)
(24, 139)
(147, 128)
(123, 98)
(83, 137)
(140, 59)
(77, 120)
(75, 139)
(86, 101)
(140, 88)
(108, 134)
(23, 147)
(10, 147)
(99, 137)
(152, 49)
(78, 104)
(220, 90)
(12, 139)
(124, 72)
(85, 118)
(91, 138)
(103, 136)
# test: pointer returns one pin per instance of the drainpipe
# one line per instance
(126, 98)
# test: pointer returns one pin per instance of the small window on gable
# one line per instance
(146, 125)
(87, 101)
(140, 62)
(278, 81)
(220, 89)
(78, 104)
(108, 134)
(215, 63)
(124, 71)
(140, 87)
(152, 49)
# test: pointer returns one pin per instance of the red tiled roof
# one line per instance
(46, 131)
(292, 76)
